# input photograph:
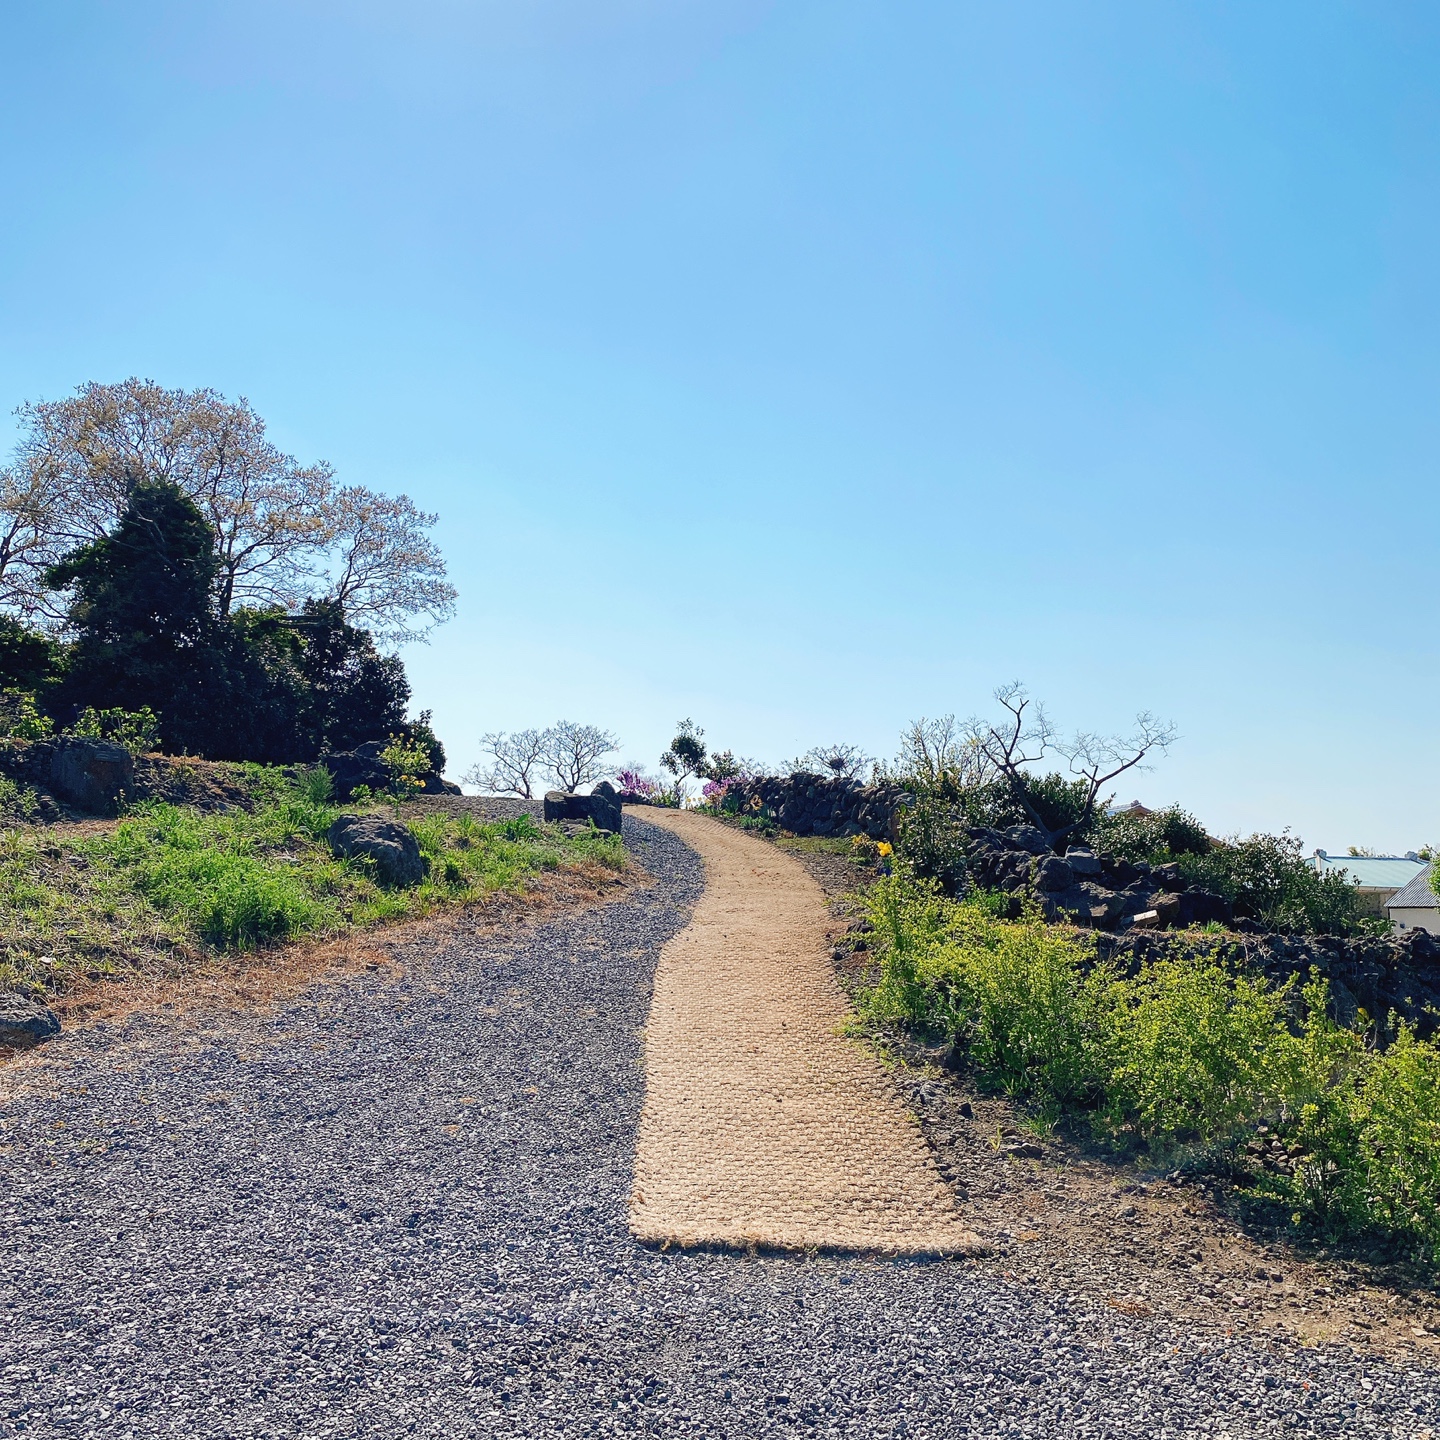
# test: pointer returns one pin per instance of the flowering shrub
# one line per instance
(716, 792)
(632, 782)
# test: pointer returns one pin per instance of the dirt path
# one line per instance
(762, 1124)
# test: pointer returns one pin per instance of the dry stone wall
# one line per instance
(821, 805)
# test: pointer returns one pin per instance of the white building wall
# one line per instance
(1418, 918)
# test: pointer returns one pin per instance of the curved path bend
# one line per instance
(762, 1124)
(400, 1208)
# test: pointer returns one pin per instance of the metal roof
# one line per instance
(1374, 872)
(1417, 895)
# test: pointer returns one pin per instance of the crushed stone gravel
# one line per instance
(399, 1209)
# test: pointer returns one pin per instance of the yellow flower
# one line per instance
(885, 848)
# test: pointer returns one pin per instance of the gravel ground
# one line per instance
(399, 1209)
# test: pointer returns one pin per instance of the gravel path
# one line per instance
(400, 1209)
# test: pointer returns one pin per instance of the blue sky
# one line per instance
(808, 367)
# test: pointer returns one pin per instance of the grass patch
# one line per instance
(1186, 1058)
(173, 882)
(817, 844)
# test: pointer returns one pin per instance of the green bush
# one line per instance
(1015, 994)
(931, 842)
(1153, 839)
(1185, 1049)
(1266, 878)
(20, 719)
(1184, 1053)
(17, 802)
(137, 730)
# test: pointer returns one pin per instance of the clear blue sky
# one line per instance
(807, 367)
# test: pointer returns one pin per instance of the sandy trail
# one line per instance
(762, 1125)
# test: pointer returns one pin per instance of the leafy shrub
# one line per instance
(17, 802)
(137, 730)
(1185, 1052)
(20, 719)
(1267, 879)
(931, 842)
(316, 785)
(1015, 994)
(407, 762)
(1153, 839)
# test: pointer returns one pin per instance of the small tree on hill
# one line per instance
(574, 753)
(686, 756)
(568, 753)
(1025, 736)
(516, 760)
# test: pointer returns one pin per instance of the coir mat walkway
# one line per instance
(762, 1124)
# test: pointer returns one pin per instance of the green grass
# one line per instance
(1186, 1058)
(818, 844)
(171, 883)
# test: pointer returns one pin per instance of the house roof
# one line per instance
(1374, 872)
(1417, 895)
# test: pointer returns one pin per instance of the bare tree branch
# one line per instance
(935, 751)
(574, 752)
(1026, 736)
(515, 759)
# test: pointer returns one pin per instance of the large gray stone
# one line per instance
(602, 806)
(1083, 862)
(1027, 837)
(91, 775)
(1052, 873)
(392, 847)
(25, 1023)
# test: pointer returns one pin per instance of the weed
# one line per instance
(316, 785)
(171, 880)
(1183, 1056)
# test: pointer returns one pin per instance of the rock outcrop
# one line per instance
(1380, 975)
(1099, 891)
(91, 775)
(601, 805)
(350, 769)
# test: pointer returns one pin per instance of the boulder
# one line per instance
(392, 847)
(91, 775)
(1027, 837)
(1083, 862)
(24, 1022)
(602, 805)
(1166, 908)
(350, 769)
(1052, 873)
(1201, 907)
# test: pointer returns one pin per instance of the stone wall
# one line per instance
(820, 805)
(1376, 974)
